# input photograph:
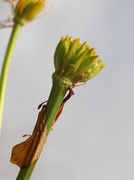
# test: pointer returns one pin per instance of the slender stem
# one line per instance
(5, 67)
(26, 173)
(56, 97)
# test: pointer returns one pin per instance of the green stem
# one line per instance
(5, 67)
(56, 97)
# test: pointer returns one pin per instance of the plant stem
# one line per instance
(26, 173)
(56, 97)
(5, 67)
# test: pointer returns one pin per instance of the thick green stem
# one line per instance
(56, 97)
(5, 67)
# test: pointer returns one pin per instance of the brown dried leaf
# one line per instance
(27, 152)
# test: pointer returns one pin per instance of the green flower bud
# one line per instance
(61, 51)
(27, 10)
(75, 62)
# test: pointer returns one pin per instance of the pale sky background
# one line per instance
(94, 137)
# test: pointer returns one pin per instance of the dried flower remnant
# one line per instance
(6, 23)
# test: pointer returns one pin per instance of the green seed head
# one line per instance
(75, 62)
(27, 10)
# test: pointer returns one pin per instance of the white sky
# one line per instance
(93, 139)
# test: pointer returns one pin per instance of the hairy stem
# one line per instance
(56, 97)
(5, 67)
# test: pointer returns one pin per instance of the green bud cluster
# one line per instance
(75, 62)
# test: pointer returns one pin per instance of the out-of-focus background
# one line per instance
(94, 136)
